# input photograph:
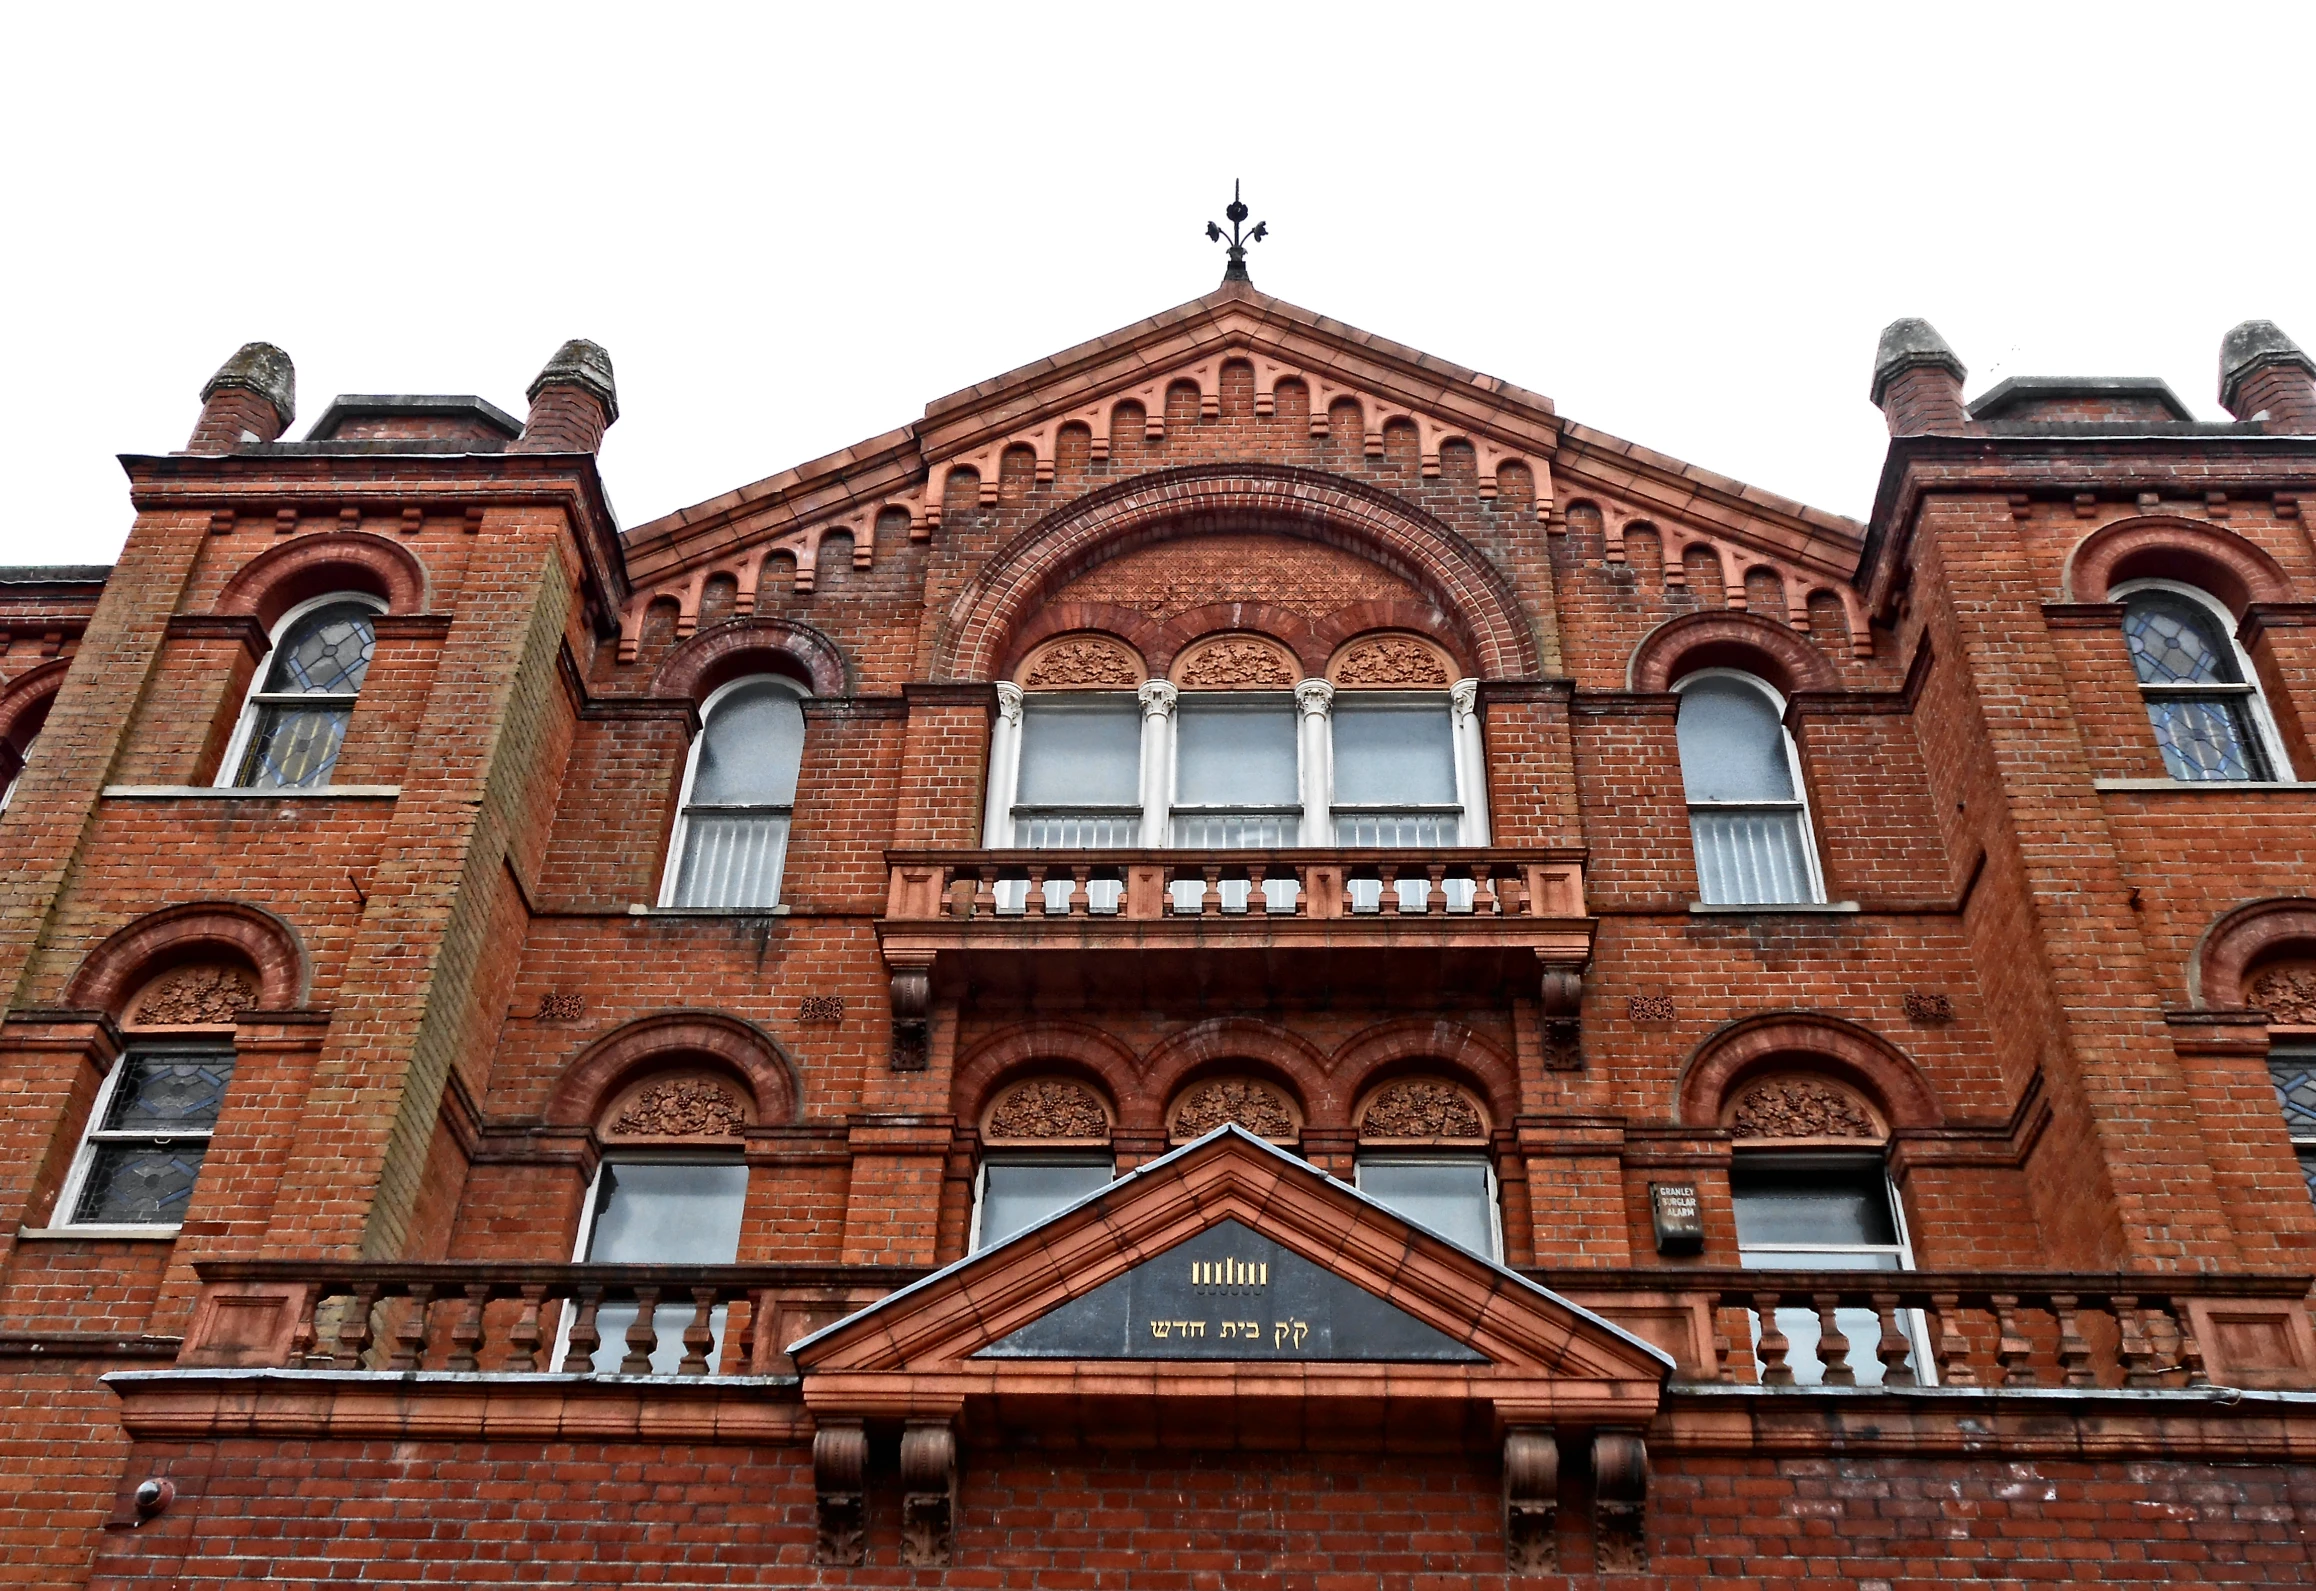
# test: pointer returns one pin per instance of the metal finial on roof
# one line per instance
(1236, 270)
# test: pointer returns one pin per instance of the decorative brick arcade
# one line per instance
(1242, 958)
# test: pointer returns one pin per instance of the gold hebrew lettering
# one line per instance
(1300, 1330)
(1158, 1330)
(1198, 1328)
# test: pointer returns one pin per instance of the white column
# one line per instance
(1315, 759)
(1471, 762)
(1157, 759)
(1004, 769)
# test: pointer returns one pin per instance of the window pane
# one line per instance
(327, 652)
(1843, 1207)
(1017, 1194)
(2205, 739)
(1218, 831)
(1076, 831)
(2294, 1074)
(2308, 1170)
(1446, 1196)
(1732, 744)
(1365, 829)
(754, 741)
(131, 1183)
(2174, 641)
(294, 747)
(1237, 752)
(731, 860)
(1393, 753)
(1081, 751)
(163, 1092)
(668, 1213)
(1750, 857)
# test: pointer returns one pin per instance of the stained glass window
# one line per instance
(2294, 1074)
(145, 1153)
(299, 718)
(2197, 700)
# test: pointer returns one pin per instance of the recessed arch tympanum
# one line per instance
(760, 644)
(128, 961)
(281, 577)
(2209, 557)
(673, 1046)
(1743, 641)
(1232, 1047)
(2259, 937)
(1802, 1044)
(1409, 1046)
(987, 613)
(1071, 1049)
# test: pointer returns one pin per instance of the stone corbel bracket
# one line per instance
(928, 1492)
(1620, 1501)
(1562, 989)
(1531, 1501)
(840, 1492)
(912, 994)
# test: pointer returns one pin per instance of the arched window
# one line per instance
(294, 723)
(2209, 720)
(739, 788)
(1045, 1145)
(16, 747)
(1747, 816)
(1423, 1154)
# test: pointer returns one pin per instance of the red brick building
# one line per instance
(1242, 958)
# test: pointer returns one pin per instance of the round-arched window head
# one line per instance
(1732, 735)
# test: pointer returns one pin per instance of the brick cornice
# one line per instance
(246, 628)
(1507, 691)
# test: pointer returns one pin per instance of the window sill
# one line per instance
(96, 1234)
(1810, 908)
(638, 909)
(179, 792)
(2203, 786)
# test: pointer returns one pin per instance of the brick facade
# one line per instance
(2029, 969)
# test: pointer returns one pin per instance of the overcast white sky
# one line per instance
(1686, 226)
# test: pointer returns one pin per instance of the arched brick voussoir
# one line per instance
(980, 624)
(1259, 1047)
(1744, 1048)
(759, 644)
(1067, 1047)
(2231, 568)
(27, 693)
(281, 577)
(1424, 1044)
(675, 1038)
(2250, 933)
(127, 957)
(1130, 625)
(1745, 641)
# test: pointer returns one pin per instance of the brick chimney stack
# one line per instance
(252, 399)
(573, 402)
(2265, 376)
(1918, 381)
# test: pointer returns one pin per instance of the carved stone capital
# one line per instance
(928, 1492)
(1009, 702)
(840, 1486)
(1531, 1500)
(1464, 696)
(1158, 697)
(1314, 698)
(1620, 1501)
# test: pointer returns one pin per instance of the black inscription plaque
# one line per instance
(1230, 1293)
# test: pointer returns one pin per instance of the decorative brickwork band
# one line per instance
(213, 995)
(1531, 1501)
(1422, 1109)
(1800, 1107)
(1256, 1106)
(1046, 1110)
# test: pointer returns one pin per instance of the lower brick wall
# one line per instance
(1174, 1521)
(62, 1455)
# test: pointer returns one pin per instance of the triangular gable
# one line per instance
(998, 1324)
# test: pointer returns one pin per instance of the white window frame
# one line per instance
(1924, 1364)
(671, 870)
(1314, 762)
(1416, 1153)
(95, 1134)
(1296, 814)
(1010, 1155)
(678, 1157)
(2264, 728)
(1800, 802)
(257, 698)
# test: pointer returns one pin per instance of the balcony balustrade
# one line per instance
(1992, 1329)
(1459, 919)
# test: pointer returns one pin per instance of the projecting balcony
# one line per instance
(1032, 923)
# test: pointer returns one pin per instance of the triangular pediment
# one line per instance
(1134, 1286)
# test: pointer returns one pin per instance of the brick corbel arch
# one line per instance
(2249, 934)
(2202, 555)
(120, 965)
(671, 1039)
(1775, 1040)
(1223, 1044)
(1419, 1044)
(981, 622)
(281, 577)
(753, 645)
(1746, 641)
(1069, 1048)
